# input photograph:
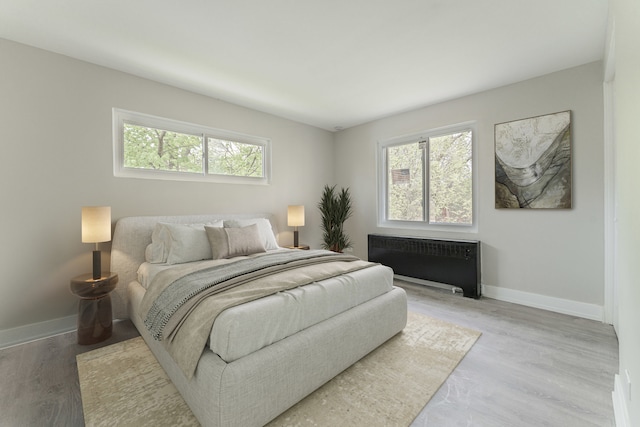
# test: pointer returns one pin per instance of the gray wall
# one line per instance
(55, 121)
(547, 258)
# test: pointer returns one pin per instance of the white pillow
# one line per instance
(155, 253)
(158, 250)
(230, 242)
(264, 228)
(179, 243)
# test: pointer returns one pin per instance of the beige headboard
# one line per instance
(130, 239)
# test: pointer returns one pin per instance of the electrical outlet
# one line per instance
(628, 378)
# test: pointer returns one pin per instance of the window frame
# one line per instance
(382, 180)
(140, 119)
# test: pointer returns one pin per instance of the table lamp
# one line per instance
(295, 219)
(96, 228)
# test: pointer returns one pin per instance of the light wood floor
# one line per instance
(529, 368)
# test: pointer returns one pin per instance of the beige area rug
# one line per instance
(123, 385)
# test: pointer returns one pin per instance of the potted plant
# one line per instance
(335, 208)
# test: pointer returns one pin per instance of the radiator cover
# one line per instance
(453, 262)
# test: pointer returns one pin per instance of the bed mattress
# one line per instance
(244, 329)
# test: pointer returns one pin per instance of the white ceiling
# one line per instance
(328, 63)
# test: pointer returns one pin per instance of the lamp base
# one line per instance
(295, 237)
(97, 265)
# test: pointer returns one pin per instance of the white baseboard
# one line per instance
(34, 331)
(620, 404)
(558, 305)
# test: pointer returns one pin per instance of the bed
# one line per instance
(262, 356)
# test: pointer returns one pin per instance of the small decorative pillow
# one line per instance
(264, 228)
(231, 242)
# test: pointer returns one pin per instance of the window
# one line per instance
(157, 148)
(427, 179)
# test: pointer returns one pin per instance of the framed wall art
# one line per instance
(533, 162)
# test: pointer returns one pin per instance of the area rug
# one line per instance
(123, 384)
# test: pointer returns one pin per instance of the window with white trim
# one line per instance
(426, 180)
(157, 148)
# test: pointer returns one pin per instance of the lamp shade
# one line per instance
(96, 224)
(295, 215)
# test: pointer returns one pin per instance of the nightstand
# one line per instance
(302, 247)
(94, 308)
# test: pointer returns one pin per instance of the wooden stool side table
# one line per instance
(94, 308)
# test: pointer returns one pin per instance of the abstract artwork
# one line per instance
(533, 162)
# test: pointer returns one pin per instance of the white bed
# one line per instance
(263, 356)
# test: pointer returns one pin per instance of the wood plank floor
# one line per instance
(529, 368)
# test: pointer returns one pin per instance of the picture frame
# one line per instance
(533, 163)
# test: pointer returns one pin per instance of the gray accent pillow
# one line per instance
(264, 229)
(230, 242)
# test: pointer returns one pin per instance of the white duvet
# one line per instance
(241, 330)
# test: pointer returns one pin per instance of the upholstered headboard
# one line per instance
(131, 237)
